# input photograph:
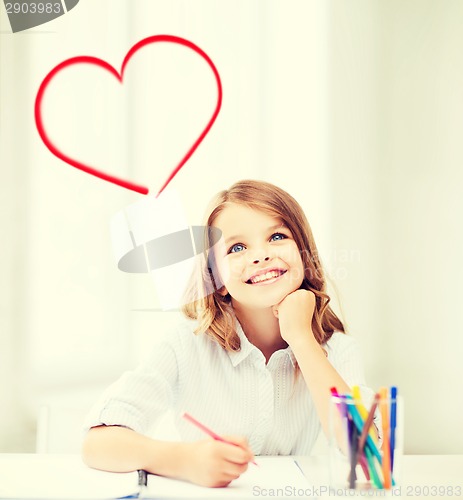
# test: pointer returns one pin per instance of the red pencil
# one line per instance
(208, 431)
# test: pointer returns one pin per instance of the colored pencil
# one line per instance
(209, 432)
(359, 423)
(354, 441)
(393, 423)
(386, 443)
(361, 409)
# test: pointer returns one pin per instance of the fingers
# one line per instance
(275, 310)
(224, 473)
(233, 465)
(226, 463)
(236, 451)
(232, 471)
(221, 462)
(276, 307)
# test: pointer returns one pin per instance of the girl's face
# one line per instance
(260, 263)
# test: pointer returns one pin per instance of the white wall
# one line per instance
(395, 130)
(353, 107)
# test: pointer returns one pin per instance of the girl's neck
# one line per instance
(261, 327)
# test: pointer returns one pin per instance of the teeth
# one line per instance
(266, 276)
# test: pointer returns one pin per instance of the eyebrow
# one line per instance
(269, 229)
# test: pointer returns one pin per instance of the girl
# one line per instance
(259, 371)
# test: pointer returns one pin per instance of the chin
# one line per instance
(274, 300)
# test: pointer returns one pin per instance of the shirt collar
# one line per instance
(247, 348)
(292, 358)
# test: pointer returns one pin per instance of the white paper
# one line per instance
(60, 477)
(273, 477)
(53, 477)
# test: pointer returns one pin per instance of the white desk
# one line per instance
(422, 476)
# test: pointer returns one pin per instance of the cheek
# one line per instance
(230, 268)
(294, 259)
(291, 255)
(300, 263)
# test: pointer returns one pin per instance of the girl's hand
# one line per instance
(213, 463)
(294, 314)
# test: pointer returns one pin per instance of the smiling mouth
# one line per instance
(270, 275)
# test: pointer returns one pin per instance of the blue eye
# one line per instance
(278, 237)
(237, 247)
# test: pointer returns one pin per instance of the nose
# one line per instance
(265, 259)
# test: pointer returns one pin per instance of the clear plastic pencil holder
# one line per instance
(360, 459)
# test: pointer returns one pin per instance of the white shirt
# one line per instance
(233, 393)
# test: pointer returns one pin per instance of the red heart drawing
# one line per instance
(120, 75)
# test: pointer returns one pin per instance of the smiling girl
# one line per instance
(267, 322)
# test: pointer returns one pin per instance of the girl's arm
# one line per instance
(295, 317)
(207, 462)
(319, 375)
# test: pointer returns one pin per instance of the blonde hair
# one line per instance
(213, 310)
